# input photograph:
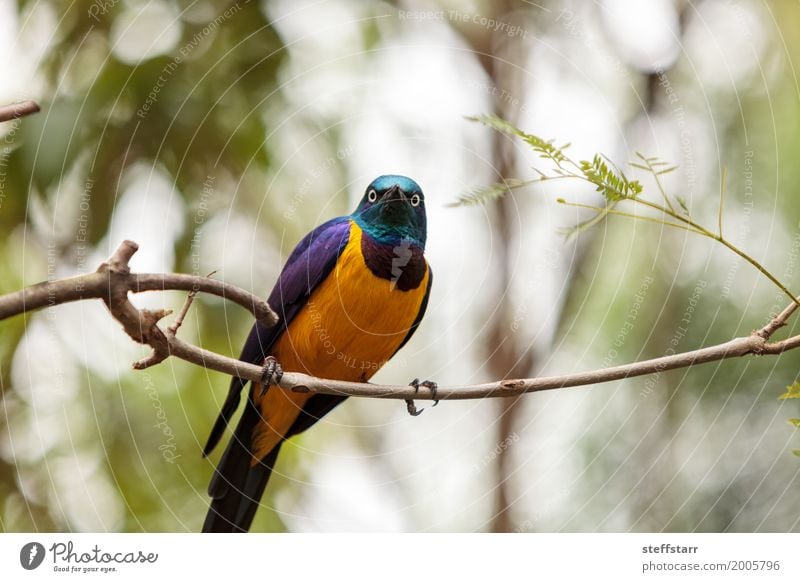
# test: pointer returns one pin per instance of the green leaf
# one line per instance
(792, 391)
(795, 422)
(612, 183)
(796, 452)
(682, 202)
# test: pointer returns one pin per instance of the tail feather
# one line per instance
(236, 486)
(228, 408)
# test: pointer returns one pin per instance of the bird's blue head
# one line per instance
(393, 208)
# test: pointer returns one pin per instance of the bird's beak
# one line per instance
(395, 207)
(395, 193)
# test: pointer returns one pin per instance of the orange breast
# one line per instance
(352, 324)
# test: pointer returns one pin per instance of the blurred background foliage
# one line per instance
(216, 133)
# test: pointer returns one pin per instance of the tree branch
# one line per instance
(113, 281)
(17, 110)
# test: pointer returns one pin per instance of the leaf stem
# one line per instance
(627, 214)
(725, 242)
(616, 188)
(721, 197)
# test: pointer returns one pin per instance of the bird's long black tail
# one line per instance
(236, 486)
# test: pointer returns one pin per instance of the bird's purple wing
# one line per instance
(308, 265)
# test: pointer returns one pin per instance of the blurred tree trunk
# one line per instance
(506, 357)
(655, 482)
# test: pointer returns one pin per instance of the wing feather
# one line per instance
(308, 265)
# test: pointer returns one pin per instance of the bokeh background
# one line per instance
(216, 133)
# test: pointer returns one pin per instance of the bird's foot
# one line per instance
(271, 373)
(432, 386)
(412, 408)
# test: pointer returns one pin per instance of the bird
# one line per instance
(351, 294)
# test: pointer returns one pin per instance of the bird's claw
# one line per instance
(412, 408)
(432, 386)
(271, 373)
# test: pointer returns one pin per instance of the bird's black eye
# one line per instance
(415, 200)
(372, 196)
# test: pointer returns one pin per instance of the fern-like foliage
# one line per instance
(479, 196)
(607, 178)
(792, 391)
(544, 148)
(611, 183)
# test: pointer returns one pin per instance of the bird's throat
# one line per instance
(401, 262)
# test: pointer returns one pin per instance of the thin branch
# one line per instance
(114, 276)
(778, 321)
(182, 313)
(738, 347)
(702, 231)
(607, 210)
(743, 346)
(113, 281)
(648, 167)
(17, 110)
